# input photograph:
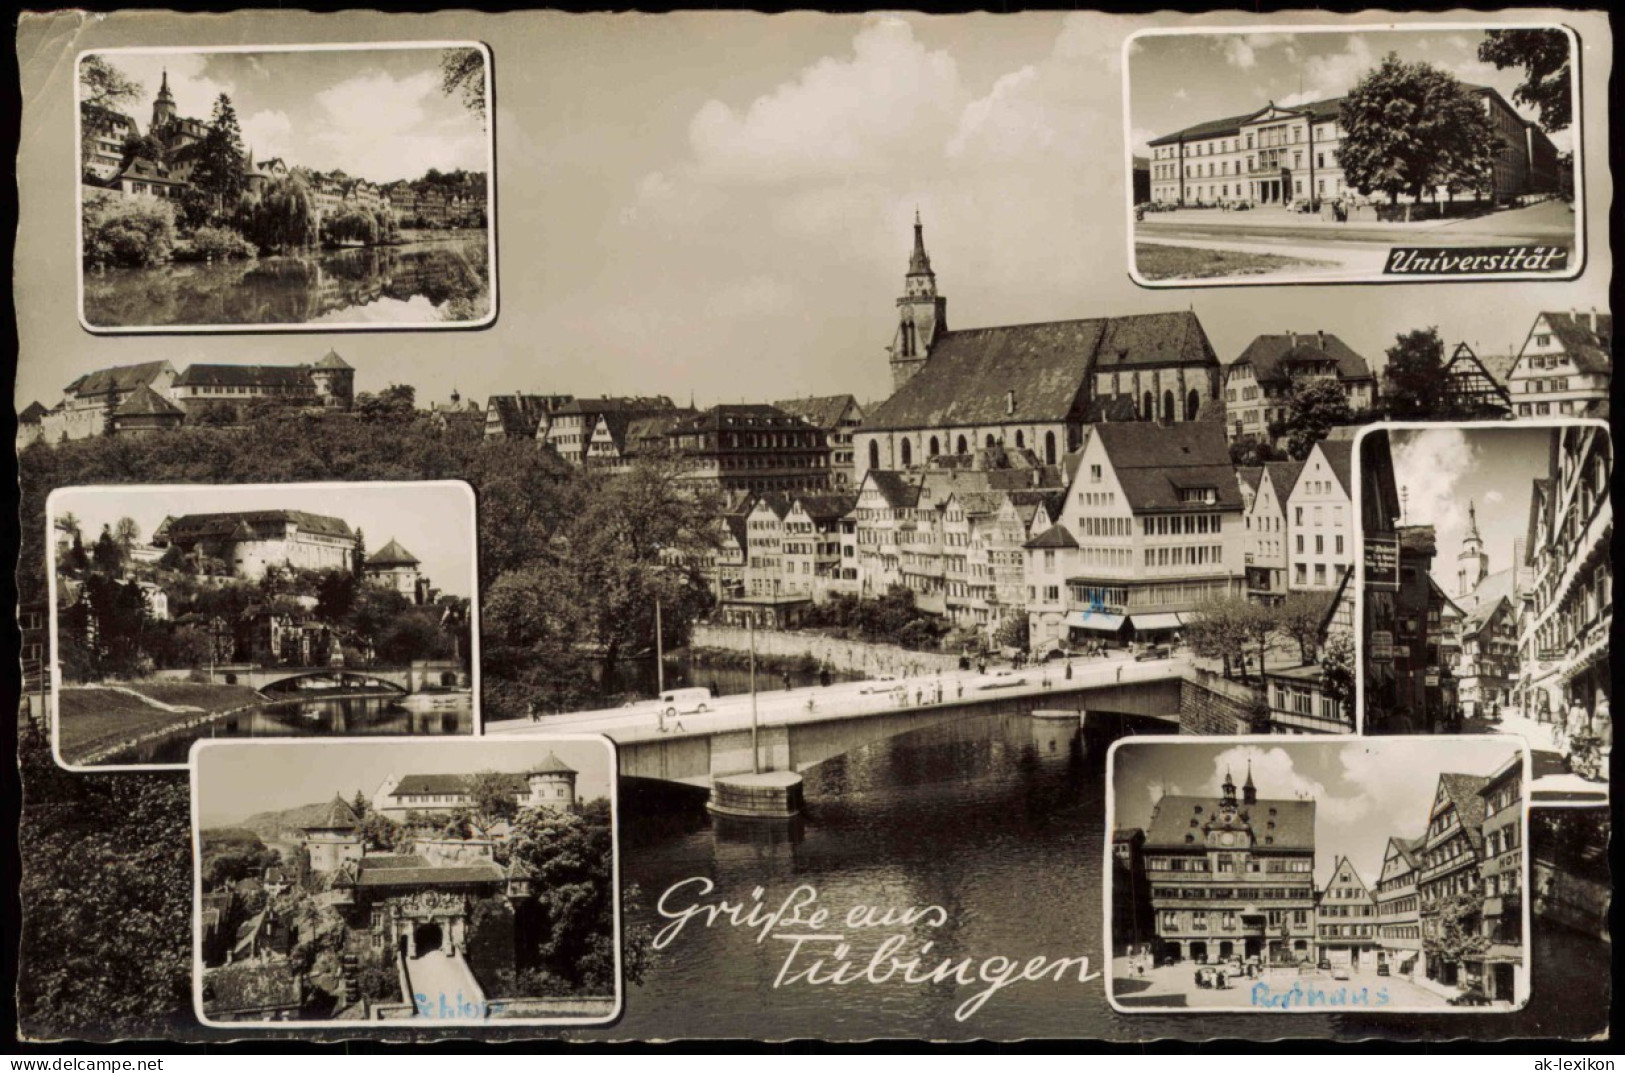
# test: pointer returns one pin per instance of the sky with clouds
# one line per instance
(1178, 81)
(374, 113)
(432, 520)
(721, 203)
(1365, 791)
(236, 781)
(1443, 471)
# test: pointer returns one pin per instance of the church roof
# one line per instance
(392, 554)
(1271, 356)
(145, 402)
(1171, 821)
(1030, 373)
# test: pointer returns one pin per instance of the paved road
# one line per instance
(844, 700)
(1174, 987)
(443, 988)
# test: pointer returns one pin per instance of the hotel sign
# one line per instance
(1381, 646)
(1382, 562)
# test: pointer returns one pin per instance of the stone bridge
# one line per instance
(414, 677)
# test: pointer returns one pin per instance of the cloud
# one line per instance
(380, 126)
(1238, 53)
(1428, 465)
(1334, 74)
(1494, 495)
(1275, 775)
(860, 114)
(268, 133)
(195, 90)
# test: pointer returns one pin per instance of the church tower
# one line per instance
(163, 108)
(922, 314)
(1472, 564)
(1249, 792)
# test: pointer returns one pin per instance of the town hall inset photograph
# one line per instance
(188, 612)
(411, 882)
(267, 188)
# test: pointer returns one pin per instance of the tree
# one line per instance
(126, 532)
(1458, 937)
(1256, 622)
(103, 91)
(283, 218)
(381, 833)
(462, 70)
(106, 555)
(1299, 617)
(491, 799)
(1314, 406)
(214, 414)
(1544, 56)
(1337, 667)
(1418, 388)
(126, 232)
(1014, 631)
(78, 560)
(569, 932)
(1409, 127)
(141, 147)
(219, 170)
(1216, 629)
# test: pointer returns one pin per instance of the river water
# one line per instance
(998, 820)
(432, 714)
(415, 283)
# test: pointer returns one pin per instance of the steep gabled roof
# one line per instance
(1034, 373)
(1056, 536)
(821, 411)
(1271, 356)
(827, 506)
(392, 554)
(1339, 456)
(236, 524)
(449, 784)
(899, 489)
(1591, 351)
(294, 376)
(32, 414)
(145, 402)
(119, 378)
(1171, 821)
(1463, 792)
(1155, 463)
(1283, 478)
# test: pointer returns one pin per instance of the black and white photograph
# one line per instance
(1488, 591)
(829, 463)
(405, 883)
(188, 612)
(251, 188)
(1284, 154)
(1369, 875)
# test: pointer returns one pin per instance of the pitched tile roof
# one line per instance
(145, 402)
(1463, 792)
(1171, 821)
(1417, 538)
(1478, 605)
(392, 554)
(235, 524)
(295, 376)
(119, 378)
(433, 876)
(734, 414)
(339, 816)
(251, 986)
(821, 411)
(1154, 464)
(1034, 372)
(331, 360)
(552, 765)
(827, 506)
(1339, 456)
(1272, 356)
(1283, 478)
(1056, 536)
(519, 415)
(1591, 351)
(1317, 110)
(613, 404)
(449, 784)
(899, 489)
(32, 414)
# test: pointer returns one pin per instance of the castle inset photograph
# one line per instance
(413, 882)
(186, 612)
(269, 188)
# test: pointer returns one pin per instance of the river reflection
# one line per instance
(346, 716)
(999, 820)
(416, 283)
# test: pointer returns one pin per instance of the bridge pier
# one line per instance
(767, 795)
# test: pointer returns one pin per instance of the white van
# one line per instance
(683, 701)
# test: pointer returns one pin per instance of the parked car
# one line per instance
(1340, 973)
(1154, 652)
(880, 683)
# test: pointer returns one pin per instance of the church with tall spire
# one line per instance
(922, 313)
(1472, 563)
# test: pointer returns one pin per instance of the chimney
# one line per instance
(1010, 402)
(1593, 320)
(1291, 339)
(1321, 336)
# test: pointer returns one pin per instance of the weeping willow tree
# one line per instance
(283, 218)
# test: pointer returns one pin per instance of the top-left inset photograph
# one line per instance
(270, 188)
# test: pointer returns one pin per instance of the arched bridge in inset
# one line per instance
(416, 677)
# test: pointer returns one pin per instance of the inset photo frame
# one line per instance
(286, 188)
(181, 613)
(1301, 154)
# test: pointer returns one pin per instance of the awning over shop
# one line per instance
(1167, 620)
(1493, 907)
(1099, 621)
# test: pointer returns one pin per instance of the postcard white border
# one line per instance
(1516, 744)
(1577, 259)
(476, 728)
(306, 327)
(361, 1028)
(1551, 424)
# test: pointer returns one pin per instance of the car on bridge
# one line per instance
(880, 683)
(693, 700)
(1154, 652)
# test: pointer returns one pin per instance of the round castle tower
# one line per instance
(552, 783)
